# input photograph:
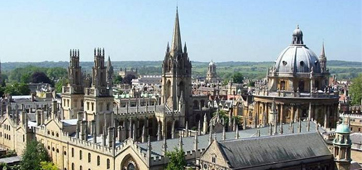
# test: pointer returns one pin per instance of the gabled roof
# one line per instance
(273, 149)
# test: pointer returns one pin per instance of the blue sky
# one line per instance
(223, 30)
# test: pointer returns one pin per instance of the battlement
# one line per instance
(89, 145)
(74, 53)
(99, 52)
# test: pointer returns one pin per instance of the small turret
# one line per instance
(342, 146)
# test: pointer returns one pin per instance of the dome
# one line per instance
(298, 59)
(343, 128)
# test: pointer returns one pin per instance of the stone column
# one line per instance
(164, 129)
(297, 116)
(265, 114)
(292, 113)
(281, 113)
(326, 123)
(173, 129)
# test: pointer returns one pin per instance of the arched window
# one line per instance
(80, 155)
(108, 164)
(73, 166)
(89, 157)
(72, 152)
(80, 167)
(98, 160)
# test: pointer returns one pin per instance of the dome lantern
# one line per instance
(297, 36)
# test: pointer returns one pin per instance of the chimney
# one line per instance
(110, 136)
(54, 108)
(119, 133)
(78, 129)
(94, 131)
(83, 130)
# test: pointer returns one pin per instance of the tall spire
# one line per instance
(323, 53)
(176, 45)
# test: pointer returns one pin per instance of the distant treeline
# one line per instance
(343, 69)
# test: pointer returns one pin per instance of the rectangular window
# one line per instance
(92, 106)
(87, 105)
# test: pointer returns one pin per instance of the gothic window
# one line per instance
(196, 104)
(92, 106)
(316, 84)
(282, 85)
(87, 105)
(301, 85)
(108, 164)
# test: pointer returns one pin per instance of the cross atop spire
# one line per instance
(176, 45)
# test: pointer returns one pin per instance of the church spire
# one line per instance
(323, 52)
(176, 45)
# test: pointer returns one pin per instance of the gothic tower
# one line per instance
(109, 73)
(211, 76)
(323, 60)
(176, 73)
(342, 146)
(73, 93)
(98, 99)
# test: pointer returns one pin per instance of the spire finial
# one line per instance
(176, 45)
(297, 26)
(323, 52)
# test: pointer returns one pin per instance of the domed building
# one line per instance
(211, 75)
(298, 82)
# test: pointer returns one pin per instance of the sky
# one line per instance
(218, 30)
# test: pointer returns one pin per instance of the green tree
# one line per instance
(238, 77)
(356, 90)
(59, 84)
(25, 78)
(48, 166)
(176, 160)
(34, 153)
(117, 79)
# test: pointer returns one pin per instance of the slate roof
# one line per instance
(204, 139)
(132, 110)
(248, 152)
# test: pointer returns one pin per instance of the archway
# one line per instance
(128, 163)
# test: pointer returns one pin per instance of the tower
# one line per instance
(211, 76)
(176, 73)
(73, 93)
(109, 73)
(342, 146)
(323, 60)
(98, 99)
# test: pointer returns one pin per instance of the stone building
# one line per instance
(298, 82)
(88, 129)
(211, 75)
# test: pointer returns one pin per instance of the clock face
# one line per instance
(205, 166)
